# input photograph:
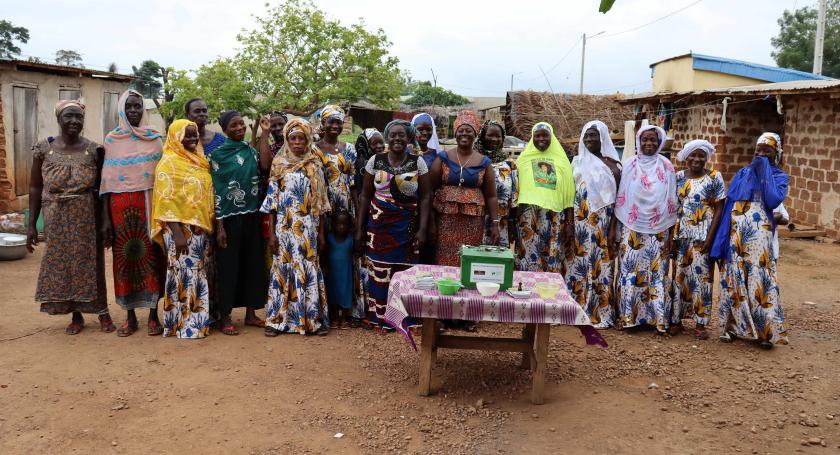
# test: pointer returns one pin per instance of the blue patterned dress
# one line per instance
(297, 298)
(643, 280)
(507, 191)
(186, 301)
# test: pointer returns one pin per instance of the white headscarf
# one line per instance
(697, 144)
(773, 140)
(434, 142)
(593, 172)
(647, 197)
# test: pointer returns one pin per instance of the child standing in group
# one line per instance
(339, 273)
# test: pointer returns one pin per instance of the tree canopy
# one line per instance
(68, 58)
(426, 95)
(148, 81)
(9, 33)
(219, 83)
(794, 45)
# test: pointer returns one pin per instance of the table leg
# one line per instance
(541, 360)
(528, 336)
(427, 356)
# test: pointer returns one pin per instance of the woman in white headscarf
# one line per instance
(646, 206)
(590, 263)
(700, 196)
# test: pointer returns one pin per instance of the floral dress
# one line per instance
(539, 246)
(643, 280)
(750, 304)
(507, 189)
(459, 208)
(297, 297)
(186, 300)
(589, 266)
(696, 199)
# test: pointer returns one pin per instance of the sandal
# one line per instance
(257, 322)
(727, 337)
(271, 332)
(675, 330)
(126, 329)
(766, 345)
(106, 324)
(322, 331)
(74, 328)
(701, 334)
(154, 329)
(353, 323)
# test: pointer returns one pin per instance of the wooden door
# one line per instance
(109, 112)
(25, 122)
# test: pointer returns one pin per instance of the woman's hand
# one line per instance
(612, 242)
(180, 242)
(494, 233)
(273, 244)
(669, 245)
(31, 238)
(707, 245)
(265, 123)
(221, 235)
(568, 234)
(107, 232)
(420, 239)
(322, 242)
(358, 244)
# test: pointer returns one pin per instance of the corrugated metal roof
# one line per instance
(776, 88)
(25, 64)
(745, 69)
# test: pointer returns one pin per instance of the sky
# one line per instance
(473, 47)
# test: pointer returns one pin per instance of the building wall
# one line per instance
(812, 159)
(678, 75)
(7, 191)
(48, 85)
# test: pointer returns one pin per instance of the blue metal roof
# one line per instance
(747, 69)
(751, 70)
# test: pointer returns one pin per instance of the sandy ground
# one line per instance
(97, 393)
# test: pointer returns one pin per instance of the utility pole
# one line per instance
(820, 39)
(583, 58)
(434, 91)
(511, 82)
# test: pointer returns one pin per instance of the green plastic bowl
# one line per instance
(448, 287)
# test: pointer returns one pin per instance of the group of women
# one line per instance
(313, 229)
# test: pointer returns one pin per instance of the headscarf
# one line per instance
(434, 141)
(554, 190)
(409, 129)
(467, 117)
(773, 140)
(131, 153)
(498, 155)
(281, 114)
(647, 196)
(331, 111)
(363, 153)
(183, 188)
(760, 177)
(697, 144)
(236, 178)
(226, 117)
(370, 133)
(593, 172)
(64, 104)
(287, 162)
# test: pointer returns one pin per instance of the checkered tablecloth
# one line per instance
(405, 300)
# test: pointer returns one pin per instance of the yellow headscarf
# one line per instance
(545, 177)
(286, 161)
(183, 186)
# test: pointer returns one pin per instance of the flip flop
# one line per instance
(106, 324)
(154, 329)
(126, 330)
(230, 330)
(271, 332)
(74, 328)
(259, 323)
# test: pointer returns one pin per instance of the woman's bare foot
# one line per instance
(76, 324)
(252, 319)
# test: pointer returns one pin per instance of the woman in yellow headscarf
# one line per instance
(182, 221)
(546, 199)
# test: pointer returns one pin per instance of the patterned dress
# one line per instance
(696, 199)
(139, 264)
(72, 275)
(297, 297)
(392, 225)
(507, 190)
(186, 301)
(589, 267)
(459, 205)
(643, 280)
(750, 304)
(539, 246)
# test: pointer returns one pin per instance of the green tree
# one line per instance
(219, 83)
(426, 95)
(297, 58)
(9, 33)
(68, 58)
(149, 79)
(794, 45)
(605, 6)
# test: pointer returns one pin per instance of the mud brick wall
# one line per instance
(812, 159)
(6, 190)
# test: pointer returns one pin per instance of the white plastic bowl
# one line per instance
(487, 289)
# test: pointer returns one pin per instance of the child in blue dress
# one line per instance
(339, 273)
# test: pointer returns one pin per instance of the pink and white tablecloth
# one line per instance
(405, 300)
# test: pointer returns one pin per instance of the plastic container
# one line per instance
(487, 289)
(449, 287)
(547, 290)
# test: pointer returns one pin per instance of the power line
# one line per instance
(653, 21)
(554, 67)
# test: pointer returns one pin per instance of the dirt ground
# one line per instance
(97, 393)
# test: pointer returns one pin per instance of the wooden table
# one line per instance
(537, 314)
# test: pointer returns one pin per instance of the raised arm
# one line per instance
(262, 146)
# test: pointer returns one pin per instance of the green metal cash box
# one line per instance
(486, 263)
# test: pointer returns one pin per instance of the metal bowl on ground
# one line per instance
(12, 247)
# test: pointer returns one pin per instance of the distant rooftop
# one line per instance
(26, 65)
(744, 69)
